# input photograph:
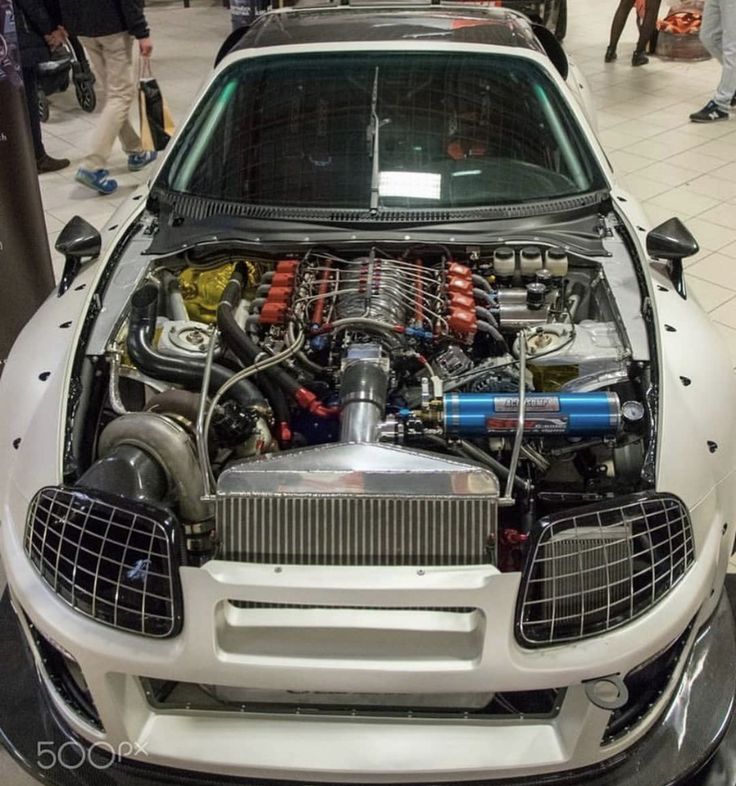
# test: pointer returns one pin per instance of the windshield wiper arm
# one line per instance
(372, 136)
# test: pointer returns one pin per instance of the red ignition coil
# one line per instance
(463, 286)
(283, 279)
(456, 269)
(458, 300)
(279, 294)
(273, 313)
(287, 266)
(463, 322)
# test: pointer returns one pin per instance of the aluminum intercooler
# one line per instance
(357, 504)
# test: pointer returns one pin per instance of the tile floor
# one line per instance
(185, 44)
(673, 166)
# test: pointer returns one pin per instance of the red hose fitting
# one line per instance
(307, 400)
(283, 434)
(322, 411)
(510, 549)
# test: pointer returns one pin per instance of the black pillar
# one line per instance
(26, 274)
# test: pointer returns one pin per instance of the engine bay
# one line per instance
(361, 391)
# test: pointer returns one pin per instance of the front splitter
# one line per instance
(694, 742)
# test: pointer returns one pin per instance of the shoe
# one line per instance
(610, 55)
(98, 180)
(136, 161)
(733, 100)
(639, 58)
(48, 164)
(709, 113)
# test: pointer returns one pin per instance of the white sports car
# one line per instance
(376, 439)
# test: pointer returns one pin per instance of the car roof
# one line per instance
(450, 22)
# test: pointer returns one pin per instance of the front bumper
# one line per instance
(278, 628)
(371, 645)
(697, 718)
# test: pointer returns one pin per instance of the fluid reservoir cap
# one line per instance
(504, 261)
(632, 411)
(535, 294)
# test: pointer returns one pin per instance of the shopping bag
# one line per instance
(156, 123)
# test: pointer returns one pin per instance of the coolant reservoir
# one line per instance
(504, 262)
(530, 261)
(557, 262)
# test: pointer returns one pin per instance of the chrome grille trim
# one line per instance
(356, 530)
(116, 564)
(602, 566)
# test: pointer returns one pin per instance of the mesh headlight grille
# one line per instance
(112, 559)
(599, 567)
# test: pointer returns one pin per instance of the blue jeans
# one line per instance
(718, 35)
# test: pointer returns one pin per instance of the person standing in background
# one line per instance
(107, 30)
(38, 29)
(718, 35)
(647, 28)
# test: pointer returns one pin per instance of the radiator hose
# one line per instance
(247, 350)
(180, 371)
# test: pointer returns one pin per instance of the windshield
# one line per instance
(382, 129)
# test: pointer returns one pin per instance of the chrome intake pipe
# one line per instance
(362, 400)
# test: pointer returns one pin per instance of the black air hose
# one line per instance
(247, 350)
(185, 372)
(481, 283)
(491, 330)
(242, 345)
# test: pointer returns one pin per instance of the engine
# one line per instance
(418, 405)
(424, 324)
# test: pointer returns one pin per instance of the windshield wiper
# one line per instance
(372, 137)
